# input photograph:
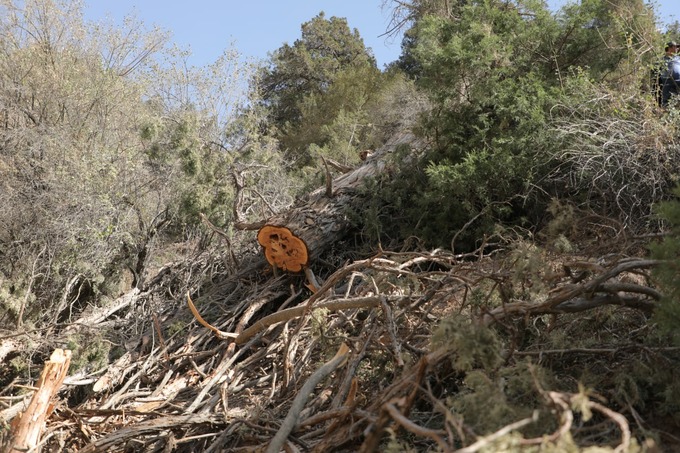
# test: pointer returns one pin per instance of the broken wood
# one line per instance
(27, 428)
(299, 403)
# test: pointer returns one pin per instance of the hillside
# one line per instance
(509, 347)
(472, 249)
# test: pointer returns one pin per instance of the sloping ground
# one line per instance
(519, 381)
(510, 348)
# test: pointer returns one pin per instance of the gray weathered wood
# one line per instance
(320, 220)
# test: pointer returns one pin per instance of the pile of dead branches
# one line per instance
(354, 367)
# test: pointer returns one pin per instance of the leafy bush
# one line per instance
(614, 155)
(109, 142)
(516, 123)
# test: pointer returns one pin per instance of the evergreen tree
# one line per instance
(297, 86)
(494, 71)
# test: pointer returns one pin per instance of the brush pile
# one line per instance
(419, 351)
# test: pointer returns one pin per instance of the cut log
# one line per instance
(320, 220)
(27, 428)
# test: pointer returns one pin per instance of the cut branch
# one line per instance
(221, 335)
(299, 402)
(26, 430)
(296, 312)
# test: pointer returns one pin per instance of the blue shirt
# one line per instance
(671, 83)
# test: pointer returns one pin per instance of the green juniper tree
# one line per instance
(494, 72)
(317, 90)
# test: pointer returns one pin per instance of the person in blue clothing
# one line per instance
(669, 78)
(659, 72)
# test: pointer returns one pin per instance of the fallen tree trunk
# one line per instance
(321, 218)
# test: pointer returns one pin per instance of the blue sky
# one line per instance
(257, 27)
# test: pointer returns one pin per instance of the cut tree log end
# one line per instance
(282, 248)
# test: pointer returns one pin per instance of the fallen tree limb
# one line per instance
(101, 314)
(416, 429)
(296, 312)
(221, 335)
(486, 440)
(321, 220)
(120, 436)
(588, 303)
(592, 285)
(26, 430)
(584, 296)
(15, 409)
(114, 374)
(299, 402)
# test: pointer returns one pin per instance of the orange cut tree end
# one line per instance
(282, 248)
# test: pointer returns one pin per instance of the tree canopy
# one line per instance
(326, 77)
(498, 75)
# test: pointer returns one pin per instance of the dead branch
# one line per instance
(99, 315)
(620, 420)
(416, 429)
(118, 437)
(588, 303)
(563, 298)
(486, 440)
(299, 402)
(230, 355)
(221, 335)
(329, 179)
(223, 235)
(27, 429)
(296, 312)
(115, 373)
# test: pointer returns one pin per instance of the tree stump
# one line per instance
(26, 428)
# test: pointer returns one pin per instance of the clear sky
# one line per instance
(258, 27)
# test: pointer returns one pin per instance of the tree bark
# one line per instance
(27, 428)
(321, 220)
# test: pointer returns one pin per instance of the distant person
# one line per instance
(659, 74)
(669, 77)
